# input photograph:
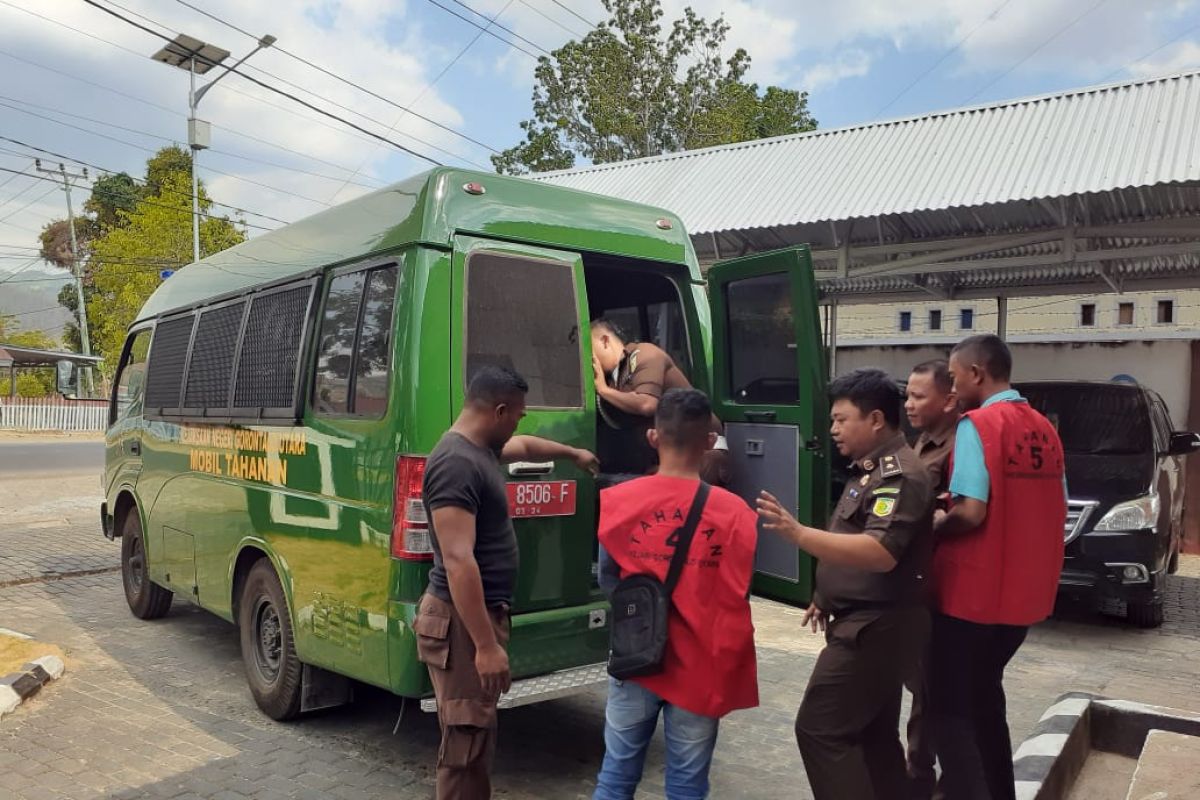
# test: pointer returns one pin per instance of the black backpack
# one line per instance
(641, 606)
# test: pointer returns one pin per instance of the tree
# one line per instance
(620, 93)
(126, 260)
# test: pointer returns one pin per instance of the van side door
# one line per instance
(123, 441)
(525, 308)
(769, 388)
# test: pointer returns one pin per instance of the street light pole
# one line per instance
(198, 58)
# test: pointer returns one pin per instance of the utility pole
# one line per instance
(67, 178)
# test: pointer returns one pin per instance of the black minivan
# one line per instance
(1125, 484)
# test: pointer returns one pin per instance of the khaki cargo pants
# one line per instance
(467, 716)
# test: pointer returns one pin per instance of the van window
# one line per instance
(762, 340)
(270, 359)
(131, 379)
(522, 314)
(168, 357)
(213, 351)
(356, 344)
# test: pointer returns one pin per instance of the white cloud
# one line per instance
(847, 64)
(1178, 58)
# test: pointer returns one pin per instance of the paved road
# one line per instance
(41, 456)
(161, 709)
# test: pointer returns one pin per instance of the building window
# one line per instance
(1166, 312)
(1087, 315)
(966, 319)
(1124, 313)
(935, 319)
(905, 321)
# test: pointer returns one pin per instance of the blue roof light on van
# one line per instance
(166, 273)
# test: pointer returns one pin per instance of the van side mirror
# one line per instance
(1183, 443)
(68, 378)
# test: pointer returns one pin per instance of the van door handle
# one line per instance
(760, 416)
(518, 468)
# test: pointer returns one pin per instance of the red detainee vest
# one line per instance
(709, 667)
(1006, 572)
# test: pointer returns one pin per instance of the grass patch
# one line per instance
(15, 651)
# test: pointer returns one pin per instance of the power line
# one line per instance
(37, 199)
(23, 191)
(15, 272)
(153, 151)
(429, 86)
(1161, 47)
(945, 55)
(151, 104)
(172, 139)
(1033, 52)
(549, 18)
(12, 178)
(271, 88)
(494, 35)
(498, 25)
(338, 77)
(574, 13)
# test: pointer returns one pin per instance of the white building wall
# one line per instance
(1163, 365)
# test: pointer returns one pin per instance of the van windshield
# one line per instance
(1094, 419)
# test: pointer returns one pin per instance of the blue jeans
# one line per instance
(629, 723)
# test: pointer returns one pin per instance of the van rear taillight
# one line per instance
(411, 539)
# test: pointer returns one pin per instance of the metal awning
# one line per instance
(21, 357)
(1090, 190)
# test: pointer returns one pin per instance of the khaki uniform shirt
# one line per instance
(890, 497)
(934, 452)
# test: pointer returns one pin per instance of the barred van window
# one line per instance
(266, 373)
(167, 356)
(521, 314)
(213, 350)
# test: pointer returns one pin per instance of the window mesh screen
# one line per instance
(212, 357)
(271, 351)
(167, 355)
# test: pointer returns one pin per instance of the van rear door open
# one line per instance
(769, 388)
(525, 308)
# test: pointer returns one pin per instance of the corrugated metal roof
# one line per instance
(1097, 139)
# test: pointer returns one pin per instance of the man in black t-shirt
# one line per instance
(462, 623)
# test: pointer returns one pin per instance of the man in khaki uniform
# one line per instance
(868, 597)
(932, 409)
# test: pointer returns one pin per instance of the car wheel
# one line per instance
(147, 600)
(268, 649)
(1145, 615)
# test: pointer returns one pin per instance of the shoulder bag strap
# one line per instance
(685, 538)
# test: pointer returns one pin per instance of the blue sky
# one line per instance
(860, 60)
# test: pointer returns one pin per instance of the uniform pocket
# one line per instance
(432, 627)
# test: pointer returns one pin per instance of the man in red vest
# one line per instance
(997, 557)
(709, 667)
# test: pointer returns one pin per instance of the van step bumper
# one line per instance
(545, 687)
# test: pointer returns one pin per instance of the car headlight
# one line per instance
(1131, 516)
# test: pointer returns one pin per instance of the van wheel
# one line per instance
(1145, 615)
(147, 600)
(268, 650)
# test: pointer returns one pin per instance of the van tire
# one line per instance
(273, 670)
(146, 599)
(1145, 615)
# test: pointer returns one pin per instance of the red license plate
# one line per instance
(541, 499)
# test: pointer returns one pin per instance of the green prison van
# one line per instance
(274, 404)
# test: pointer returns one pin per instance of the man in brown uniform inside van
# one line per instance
(631, 377)
(932, 409)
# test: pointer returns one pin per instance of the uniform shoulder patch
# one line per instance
(889, 467)
(884, 506)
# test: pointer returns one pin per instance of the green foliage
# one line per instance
(126, 260)
(112, 194)
(620, 93)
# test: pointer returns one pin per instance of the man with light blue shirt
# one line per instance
(997, 556)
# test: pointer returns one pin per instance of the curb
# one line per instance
(17, 687)
(1038, 765)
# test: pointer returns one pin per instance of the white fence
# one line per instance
(52, 414)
